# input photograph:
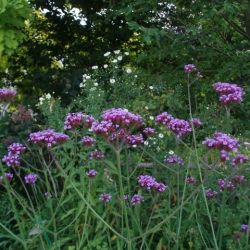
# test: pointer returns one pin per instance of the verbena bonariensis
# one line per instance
(7, 94)
(239, 159)
(149, 182)
(189, 68)
(91, 173)
(117, 126)
(105, 197)
(136, 199)
(30, 178)
(48, 137)
(221, 141)
(88, 141)
(229, 93)
(174, 159)
(196, 122)
(179, 127)
(13, 157)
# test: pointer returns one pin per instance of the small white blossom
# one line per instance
(114, 61)
(146, 107)
(135, 76)
(161, 135)
(112, 80)
(96, 84)
(105, 66)
(171, 152)
(151, 118)
(88, 77)
(81, 85)
(95, 67)
(126, 53)
(48, 96)
(116, 51)
(93, 89)
(146, 143)
(119, 58)
(151, 87)
(128, 71)
(107, 54)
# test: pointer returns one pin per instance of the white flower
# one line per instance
(88, 77)
(146, 143)
(116, 51)
(96, 84)
(171, 152)
(112, 80)
(114, 61)
(146, 107)
(129, 71)
(151, 87)
(107, 54)
(81, 85)
(95, 67)
(48, 96)
(126, 53)
(105, 66)
(93, 89)
(119, 58)
(158, 148)
(135, 76)
(161, 135)
(151, 117)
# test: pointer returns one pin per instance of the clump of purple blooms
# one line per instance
(91, 173)
(96, 154)
(8, 176)
(244, 228)
(149, 182)
(189, 68)
(87, 141)
(229, 93)
(105, 197)
(73, 120)
(226, 185)
(30, 178)
(237, 179)
(137, 199)
(7, 94)
(174, 159)
(239, 159)
(196, 122)
(190, 180)
(48, 137)
(210, 193)
(221, 141)
(149, 131)
(13, 157)
(224, 155)
(135, 139)
(178, 126)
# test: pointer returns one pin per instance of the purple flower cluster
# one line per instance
(105, 197)
(122, 117)
(226, 185)
(7, 94)
(135, 139)
(164, 118)
(149, 131)
(30, 178)
(237, 179)
(48, 137)
(174, 159)
(87, 141)
(229, 93)
(149, 182)
(178, 126)
(116, 126)
(91, 173)
(224, 155)
(189, 68)
(190, 180)
(210, 193)
(239, 159)
(73, 120)
(8, 176)
(196, 122)
(137, 199)
(13, 157)
(244, 228)
(97, 155)
(221, 141)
